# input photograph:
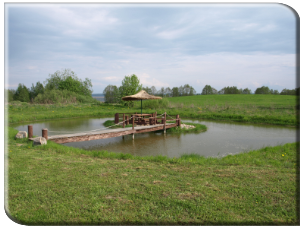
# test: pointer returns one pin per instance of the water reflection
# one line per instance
(221, 138)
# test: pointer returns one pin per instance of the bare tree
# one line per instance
(153, 90)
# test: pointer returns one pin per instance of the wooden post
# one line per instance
(127, 120)
(156, 117)
(116, 118)
(123, 120)
(30, 131)
(164, 122)
(151, 121)
(177, 120)
(44, 133)
(133, 122)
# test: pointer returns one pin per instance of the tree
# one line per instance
(181, 91)
(35, 90)
(186, 90)
(288, 92)
(111, 94)
(167, 92)
(161, 91)
(275, 92)
(22, 93)
(148, 90)
(262, 90)
(68, 80)
(221, 91)
(9, 95)
(175, 92)
(154, 90)
(207, 90)
(230, 90)
(130, 86)
(192, 91)
(246, 91)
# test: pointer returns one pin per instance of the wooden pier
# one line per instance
(143, 124)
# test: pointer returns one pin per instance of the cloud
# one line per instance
(172, 34)
(32, 67)
(256, 84)
(113, 78)
(80, 21)
(164, 45)
(146, 80)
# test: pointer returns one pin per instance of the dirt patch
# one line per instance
(157, 182)
(189, 195)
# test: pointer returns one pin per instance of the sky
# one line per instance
(165, 45)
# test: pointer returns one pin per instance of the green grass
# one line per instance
(267, 109)
(59, 185)
(198, 128)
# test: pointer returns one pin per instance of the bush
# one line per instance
(22, 93)
(68, 80)
(154, 104)
(62, 96)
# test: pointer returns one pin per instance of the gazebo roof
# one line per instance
(142, 95)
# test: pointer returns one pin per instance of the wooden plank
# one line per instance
(91, 137)
(79, 137)
(157, 128)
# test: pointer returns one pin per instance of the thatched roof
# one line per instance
(142, 95)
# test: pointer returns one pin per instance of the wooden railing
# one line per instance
(139, 119)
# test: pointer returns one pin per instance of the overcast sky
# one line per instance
(165, 45)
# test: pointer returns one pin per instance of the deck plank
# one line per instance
(108, 133)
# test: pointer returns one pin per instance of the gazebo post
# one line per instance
(123, 120)
(164, 127)
(133, 126)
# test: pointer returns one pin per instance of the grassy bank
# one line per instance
(267, 109)
(59, 185)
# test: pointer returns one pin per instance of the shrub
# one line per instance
(154, 104)
(62, 96)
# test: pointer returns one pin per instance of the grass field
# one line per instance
(267, 109)
(59, 185)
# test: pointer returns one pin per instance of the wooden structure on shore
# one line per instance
(144, 123)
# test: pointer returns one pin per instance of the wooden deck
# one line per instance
(79, 137)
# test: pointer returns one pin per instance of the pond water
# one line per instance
(220, 139)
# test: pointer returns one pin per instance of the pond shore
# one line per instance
(56, 185)
(188, 190)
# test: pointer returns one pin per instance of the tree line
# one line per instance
(131, 85)
(64, 85)
(63, 82)
(208, 90)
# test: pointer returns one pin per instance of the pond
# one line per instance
(220, 139)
